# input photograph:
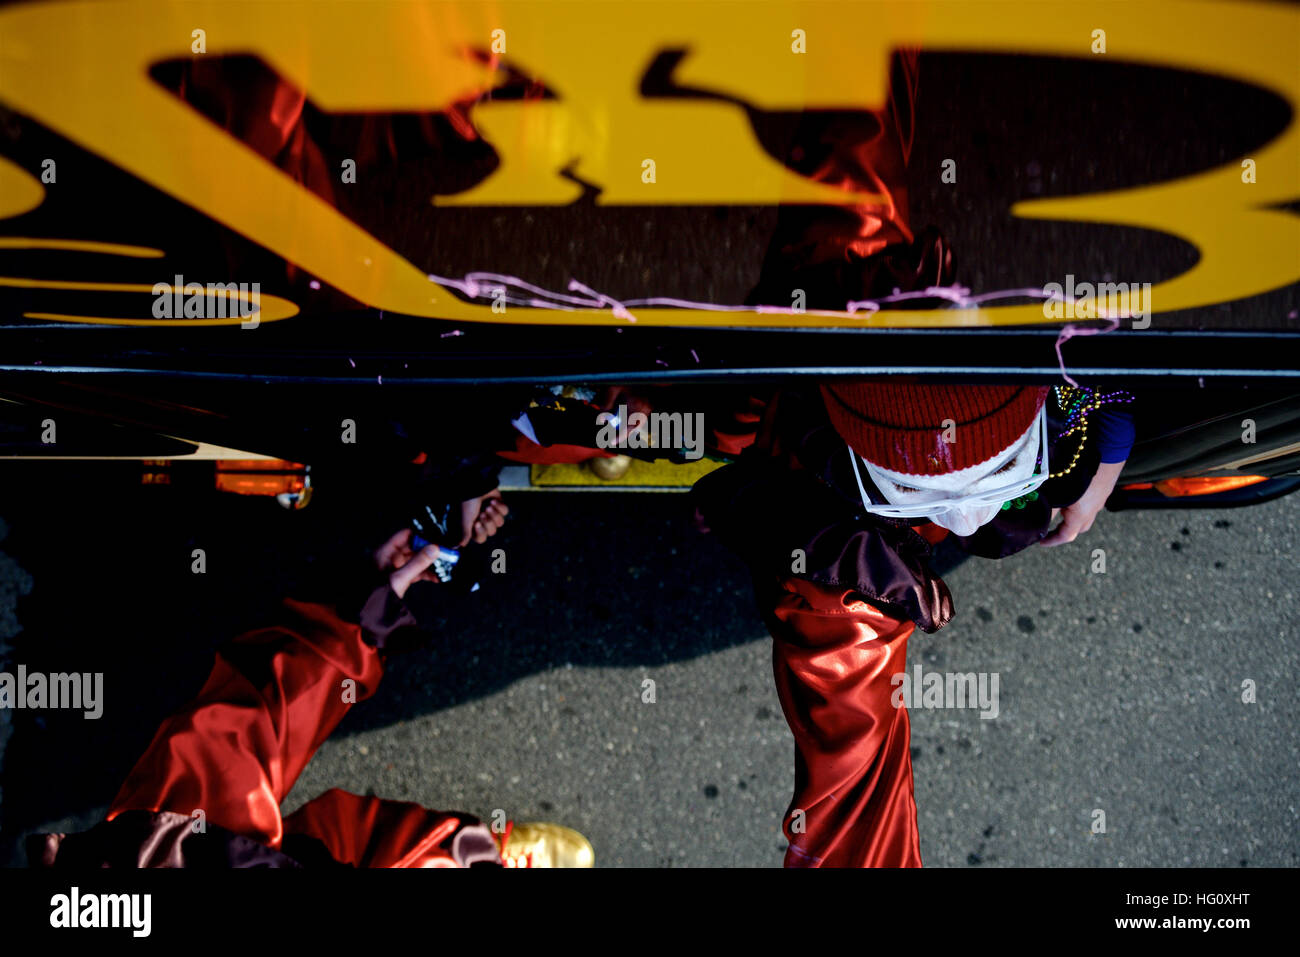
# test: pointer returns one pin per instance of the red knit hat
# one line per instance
(902, 427)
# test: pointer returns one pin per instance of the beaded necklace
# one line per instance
(1077, 404)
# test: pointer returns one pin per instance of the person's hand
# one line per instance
(404, 565)
(482, 517)
(1078, 518)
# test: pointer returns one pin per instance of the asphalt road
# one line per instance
(1119, 692)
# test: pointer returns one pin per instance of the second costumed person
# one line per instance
(835, 509)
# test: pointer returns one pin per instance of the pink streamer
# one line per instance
(479, 284)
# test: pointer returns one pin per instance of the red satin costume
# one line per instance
(833, 654)
(274, 695)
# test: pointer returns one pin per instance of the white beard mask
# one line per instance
(964, 521)
(946, 496)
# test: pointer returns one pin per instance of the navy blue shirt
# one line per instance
(1115, 434)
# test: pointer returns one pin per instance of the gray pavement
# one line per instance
(1119, 692)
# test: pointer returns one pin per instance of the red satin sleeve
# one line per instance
(274, 695)
(834, 655)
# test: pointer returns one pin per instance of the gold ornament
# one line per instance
(611, 468)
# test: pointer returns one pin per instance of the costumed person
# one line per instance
(835, 510)
(836, 504)
(233, 754)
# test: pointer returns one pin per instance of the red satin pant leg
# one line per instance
(273, 696)
(834, 655)
(370, 832)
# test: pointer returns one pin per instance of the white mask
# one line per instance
(963, 500)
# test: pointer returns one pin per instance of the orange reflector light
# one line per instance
(1180, 487)
(260, 476)
(155, 472)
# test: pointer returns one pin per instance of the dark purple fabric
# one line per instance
(137, 839)
(804, 499)
(788, 522)
(383, 614)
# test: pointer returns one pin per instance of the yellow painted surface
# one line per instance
(659, 474)
(81, 246)
(81, 69)
(271, 307)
